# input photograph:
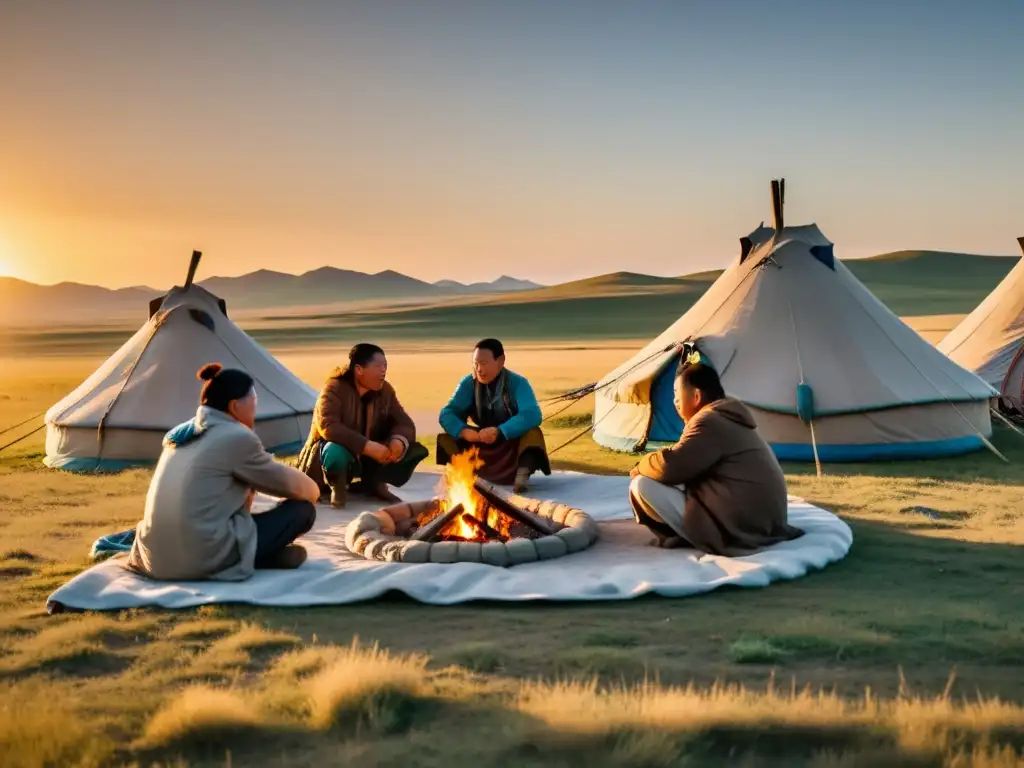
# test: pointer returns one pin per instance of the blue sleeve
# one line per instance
(528, 416)
(453, 415)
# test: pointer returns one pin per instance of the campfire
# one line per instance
(471, 520)
(471, 509)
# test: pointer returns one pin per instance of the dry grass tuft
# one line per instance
(734, 719)
(202, 714)
(249, 647)
(480, 657)
(756, 650)
(251, 638)
(79, 646)
(303, 663)
(367, 687)
(22, 555)
(202, 629)
(40, 727)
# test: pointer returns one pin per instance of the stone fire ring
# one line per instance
(383, 535)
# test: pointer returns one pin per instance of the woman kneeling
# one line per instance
(198, 522)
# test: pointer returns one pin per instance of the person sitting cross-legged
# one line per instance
(360, 430)
(198, 522)
(720, 489)
(505, 419)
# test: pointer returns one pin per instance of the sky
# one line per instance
(465, 140)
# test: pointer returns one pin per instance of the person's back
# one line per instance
(720, 488)
(197, 523)
(186, 533)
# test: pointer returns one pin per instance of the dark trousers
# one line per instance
(335, 459)
(660, 529)
(278, 527)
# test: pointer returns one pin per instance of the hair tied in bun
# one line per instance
(209, 372)
(222, 385)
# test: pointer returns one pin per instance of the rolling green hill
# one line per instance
(931, 282)
(626, 305)
(617, 306)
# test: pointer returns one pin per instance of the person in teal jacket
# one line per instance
(496, 411)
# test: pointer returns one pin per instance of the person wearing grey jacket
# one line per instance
(198, 522)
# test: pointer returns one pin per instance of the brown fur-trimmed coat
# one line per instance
(339, 418)
(735, 491)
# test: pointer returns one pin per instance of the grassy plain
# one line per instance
(908, 652)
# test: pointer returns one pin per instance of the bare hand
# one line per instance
(379, 453)
(250, 497)
(489, 435)
(469, 435)
(397, 449)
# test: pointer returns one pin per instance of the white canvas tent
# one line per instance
(990, 340)
(823, 364)
(118, 416)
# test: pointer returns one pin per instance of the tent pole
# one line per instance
(800, 367)
(777, 205)
(988, 444)
(1006, 421)
(814, 447)
(192, 267)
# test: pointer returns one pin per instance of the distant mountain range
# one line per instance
(25, 303)
(909, 282)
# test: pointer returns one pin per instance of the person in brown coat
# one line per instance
(360, 430)
(720, 489)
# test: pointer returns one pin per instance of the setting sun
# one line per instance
(7, 261)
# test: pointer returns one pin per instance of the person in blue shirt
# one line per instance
(496, 411)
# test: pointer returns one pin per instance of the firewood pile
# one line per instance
(482, 525)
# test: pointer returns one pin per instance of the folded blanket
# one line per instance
(112, 544)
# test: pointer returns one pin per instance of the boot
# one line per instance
(338, 483)
(522, 477)
(288, 559)
(382, 492)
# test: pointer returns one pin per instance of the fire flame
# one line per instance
(458, 488)
(459, 475)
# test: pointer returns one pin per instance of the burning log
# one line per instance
(493, 497)
(483, 528)
(433, 529)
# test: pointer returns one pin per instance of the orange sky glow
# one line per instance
(465, 142)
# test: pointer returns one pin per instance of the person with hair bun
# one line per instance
(360, 432)
(198, 522)
(720, 488)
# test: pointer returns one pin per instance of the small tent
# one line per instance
(118, 416)
(990, 340)
(824, 366)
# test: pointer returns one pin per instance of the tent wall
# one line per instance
(78, 449)
(149, 386)
(667, 424)
(908, 432)
(990, 339)
(790, 313)
(618, 425)
(1013, 384)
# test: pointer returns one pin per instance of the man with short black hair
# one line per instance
(505, 420)
(720, 489)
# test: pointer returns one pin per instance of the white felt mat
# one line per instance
(618, 567)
